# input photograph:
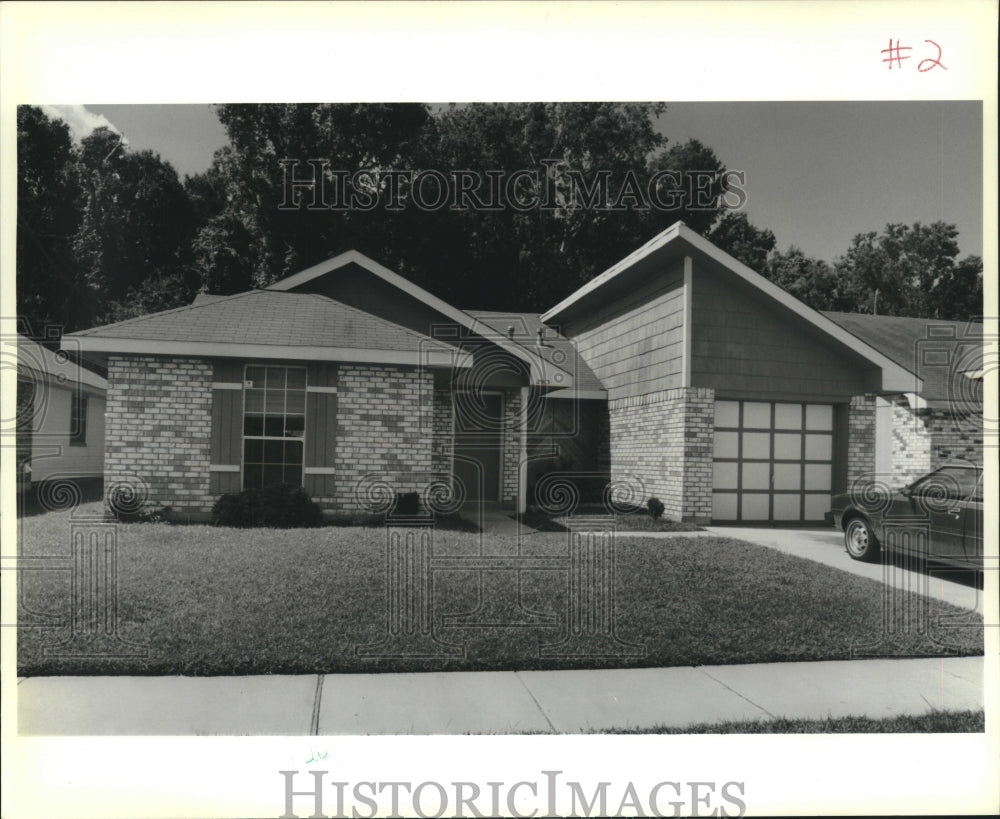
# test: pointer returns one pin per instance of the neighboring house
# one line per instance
(60, 418)
(678, 369)
(940, 421)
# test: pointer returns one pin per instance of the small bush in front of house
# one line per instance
(655, 508)
(280, 507)
(407, 504)
(127, 506)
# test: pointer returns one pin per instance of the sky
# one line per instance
(817, 173)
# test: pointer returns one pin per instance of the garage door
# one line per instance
(773, 461)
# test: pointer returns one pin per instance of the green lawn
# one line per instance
(225, 601)
(933, 722)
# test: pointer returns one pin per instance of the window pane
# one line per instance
(756, 414)
(254, 401)
(726, 444)
(253, 425)
(274, 401)
(253, 452)
(723, 506)
(293, 452)
(816, 506)
(818, 476)
(787, 446)
(787, 476)
(256, 376)
(271, 475)
(727, 413)
(296, 378)
(251, 476)
(788, 416)
(293, 475)
(786, 507)
(819, 447)
(755, 506)
(950, 482)
(756, 476)
(295, 425)
(295, 402)
(274, 425)
(819, 416)
(756, 445)
(276, 378)
(273, 452)
(724, 475)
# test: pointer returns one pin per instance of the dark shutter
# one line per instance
(227, 428)
(321, 431)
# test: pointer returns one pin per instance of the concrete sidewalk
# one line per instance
(494, 702)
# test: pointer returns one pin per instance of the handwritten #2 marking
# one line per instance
(896, 55)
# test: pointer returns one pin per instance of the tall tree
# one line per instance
(911, 270)
(137, 224)
(810, 280)
(741, 240)
(50, 288)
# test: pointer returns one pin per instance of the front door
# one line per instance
(478, 443)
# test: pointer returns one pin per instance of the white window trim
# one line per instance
(243, 414)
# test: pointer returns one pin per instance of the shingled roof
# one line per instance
(947, 355)
(557, 350)
(263, 319)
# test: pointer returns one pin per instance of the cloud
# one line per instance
(81, 122)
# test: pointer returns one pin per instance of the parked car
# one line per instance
(937, 517)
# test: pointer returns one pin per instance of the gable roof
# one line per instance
(679, 240)
(542, 371)
(558, 350)
(41, 362)
(945, 354)
(267, 324)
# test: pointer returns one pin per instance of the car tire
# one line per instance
(860, 540)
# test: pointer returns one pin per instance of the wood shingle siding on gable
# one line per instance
(744, 346)
(635, 344)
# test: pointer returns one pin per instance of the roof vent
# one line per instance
(510, 331)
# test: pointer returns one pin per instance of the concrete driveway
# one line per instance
(825, 545)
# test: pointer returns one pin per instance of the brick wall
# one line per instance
(442, 458)
(384, 429)
(922, 440)
(511, 448)
(860, 437)
(158, 426)
(664, 439)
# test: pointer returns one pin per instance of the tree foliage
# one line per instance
(105, 233)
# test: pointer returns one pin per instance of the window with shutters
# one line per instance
(274, 425)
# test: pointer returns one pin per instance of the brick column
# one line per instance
(860, 437)
(511, 444)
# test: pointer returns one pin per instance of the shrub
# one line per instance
(281, 507)
(126, 506)
(655, 507)
(407, 503)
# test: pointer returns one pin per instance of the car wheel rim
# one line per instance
(858, 539)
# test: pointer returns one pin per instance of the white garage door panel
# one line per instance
(773, 461)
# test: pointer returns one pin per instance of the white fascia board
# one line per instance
(584, 395)
(541, 372)
(201, 349)
(894, 377)
(651, 246)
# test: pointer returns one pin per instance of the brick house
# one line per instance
(678, 369)
(940, 420)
